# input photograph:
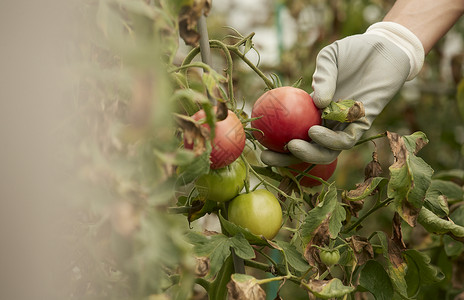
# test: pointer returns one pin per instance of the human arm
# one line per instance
(370, 68)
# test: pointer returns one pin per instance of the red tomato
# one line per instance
(229, 140)
(321, 171)
(287, 114)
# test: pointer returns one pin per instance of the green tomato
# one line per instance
(223, 184)
(329, 257)
(259, 211)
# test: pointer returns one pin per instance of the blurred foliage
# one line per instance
(125, 144)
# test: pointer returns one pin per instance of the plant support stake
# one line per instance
(205, 49)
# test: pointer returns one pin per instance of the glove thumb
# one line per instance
(325, 76)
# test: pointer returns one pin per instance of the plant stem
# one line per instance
(373, 209)
(380, 135)
(271, 279)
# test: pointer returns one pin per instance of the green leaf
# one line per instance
(215, 247)
(294, 258)
(211, 80)
(440, 193)
(374, 279)
(420, 271)
(336, 219)
(297, 83)
(197, 167)
(449, 189)
(233, 230)
(327, 204)
(241, 246)
(344, 111)
(365, 189)
(248, 45)
(433, 223)
(395, 266)
(454, 174)
(452, 247)
(460, 98)
(410, 176)
(327, 289)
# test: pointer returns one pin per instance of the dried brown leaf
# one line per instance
(188, 19)
(202, 266)
(221, 111)
(362, 248)
(398, 148)
(194, 133)
(245, 290)
(320, 238)
(356, 112)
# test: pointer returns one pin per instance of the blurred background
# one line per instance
(90, 143)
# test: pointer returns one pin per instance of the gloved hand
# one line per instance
(369, 68)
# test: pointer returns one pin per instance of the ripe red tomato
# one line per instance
(229, 139)
(259, 211)
(223, 184)
(287, 114)
(321, 171)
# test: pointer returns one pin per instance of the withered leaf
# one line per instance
(320, 238)
(397, 235)
(362, 248)
(188, 19)
(194, 133)
(202, 266)
(373, 169)
(287, 185)
(221, 111)
(398, 148)
(245, 287)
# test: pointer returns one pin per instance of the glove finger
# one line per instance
(325, 76)
(272, 158)
(311, 152)
(338, 140)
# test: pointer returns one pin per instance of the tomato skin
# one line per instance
(229, 139)
(223, 184)
(321, 171)
(259, 211)
(329, 257)
(287, 114)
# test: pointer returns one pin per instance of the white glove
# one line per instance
(369, 68)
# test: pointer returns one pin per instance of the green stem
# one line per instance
(242, 56)
(229, 70)
(271, 279)
(373, 209)
(371, 138)
(178, 210)
(258, 265)
(218, 288)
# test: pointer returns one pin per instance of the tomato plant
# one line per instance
(329, 257)
(286, 113)
(229, 139)
(222, 184)
(259, 211)
(322, 171)
(398, 227)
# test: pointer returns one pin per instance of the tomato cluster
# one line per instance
(279, 115)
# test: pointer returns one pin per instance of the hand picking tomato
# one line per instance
(329, 257)
(259, 211)
(322, 171)
(286, 114)
(229, 139)
(223, 184)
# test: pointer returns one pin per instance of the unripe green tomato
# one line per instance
(222, 184)
(329, 257)
(259, 211)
